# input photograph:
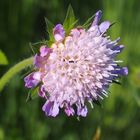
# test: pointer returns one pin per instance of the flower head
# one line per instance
(76, 69)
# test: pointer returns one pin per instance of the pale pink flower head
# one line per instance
(77, 68)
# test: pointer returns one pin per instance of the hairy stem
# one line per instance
(14, 70)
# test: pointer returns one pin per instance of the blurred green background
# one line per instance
(21, 22)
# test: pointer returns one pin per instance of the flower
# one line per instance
(77, 68)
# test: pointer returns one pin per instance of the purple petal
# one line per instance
(116, 50)
(82, 111)
(119, 47)
(97, 18)
(58, 32)
(123, 71)
(37, 76)
(69, 111)
(51, 108)
(32, 80)
(55, 110)
(75, 33)
(38, 61)
(44, 51)
(104, 26)
(44, 54)
(47, 107)
(42, 92)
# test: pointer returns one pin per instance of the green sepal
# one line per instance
(78, 118)
(50, 27)
(88, 22)
(112, 24)
(32, 94)
(3, 59)
(97, 102)
(35, 46)
(70, 20)
(39, 43)
(116, 82)
(49, 43)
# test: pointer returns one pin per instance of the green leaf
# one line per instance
(32, 94)
(3, 59)
(70, 20)
(88, 22)
(50, 27)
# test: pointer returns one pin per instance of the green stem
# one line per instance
(14, 70)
